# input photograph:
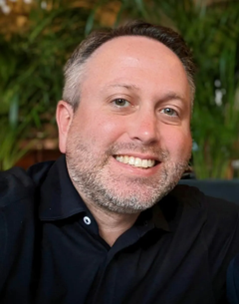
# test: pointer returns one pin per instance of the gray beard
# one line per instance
(92, 184)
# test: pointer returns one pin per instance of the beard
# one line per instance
(98, 185)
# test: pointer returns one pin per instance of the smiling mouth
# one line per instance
(136, 161)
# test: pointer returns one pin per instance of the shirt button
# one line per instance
(87, 220)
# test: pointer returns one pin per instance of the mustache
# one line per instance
(153, 150)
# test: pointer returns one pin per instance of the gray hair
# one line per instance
(74, 67)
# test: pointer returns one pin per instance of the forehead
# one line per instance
(135, 47)
(137, 60)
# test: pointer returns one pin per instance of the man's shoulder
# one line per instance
(213, 206)
(193, 195)
(17, 184)
(217, 213)
(19, 194)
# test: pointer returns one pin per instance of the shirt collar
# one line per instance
(59, 200)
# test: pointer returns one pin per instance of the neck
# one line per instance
(111, 225)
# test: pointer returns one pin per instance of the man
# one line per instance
(102, 224)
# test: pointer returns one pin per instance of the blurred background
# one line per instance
(37, 37)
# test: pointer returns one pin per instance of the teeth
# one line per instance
(135, 161)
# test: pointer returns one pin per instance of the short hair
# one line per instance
(73, 69)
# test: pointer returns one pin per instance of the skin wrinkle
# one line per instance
(78, 72)
(76, 75)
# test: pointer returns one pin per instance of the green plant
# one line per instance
(31, 77)
(213, 34)
(31, 69)
(214, 37)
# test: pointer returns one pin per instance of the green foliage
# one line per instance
(213, 34)
(31, 77)
(31, 70)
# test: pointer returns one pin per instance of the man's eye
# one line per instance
(120, 102)
(170, 112)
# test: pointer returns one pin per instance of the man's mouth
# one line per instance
(136, 161)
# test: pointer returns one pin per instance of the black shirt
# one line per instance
(51, 251)
(233, 281)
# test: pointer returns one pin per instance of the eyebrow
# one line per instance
(172, 95)
(126, 86)
(167, 97)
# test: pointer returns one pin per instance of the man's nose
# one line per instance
(143, 127)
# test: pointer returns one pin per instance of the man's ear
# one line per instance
(64, 116)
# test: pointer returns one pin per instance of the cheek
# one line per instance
(110, 127)
(178, 143)
(100, 130)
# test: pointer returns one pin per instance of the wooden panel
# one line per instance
(36, 156)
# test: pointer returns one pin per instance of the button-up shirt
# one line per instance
(51, 251)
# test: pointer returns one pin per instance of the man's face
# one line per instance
(129, 141)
